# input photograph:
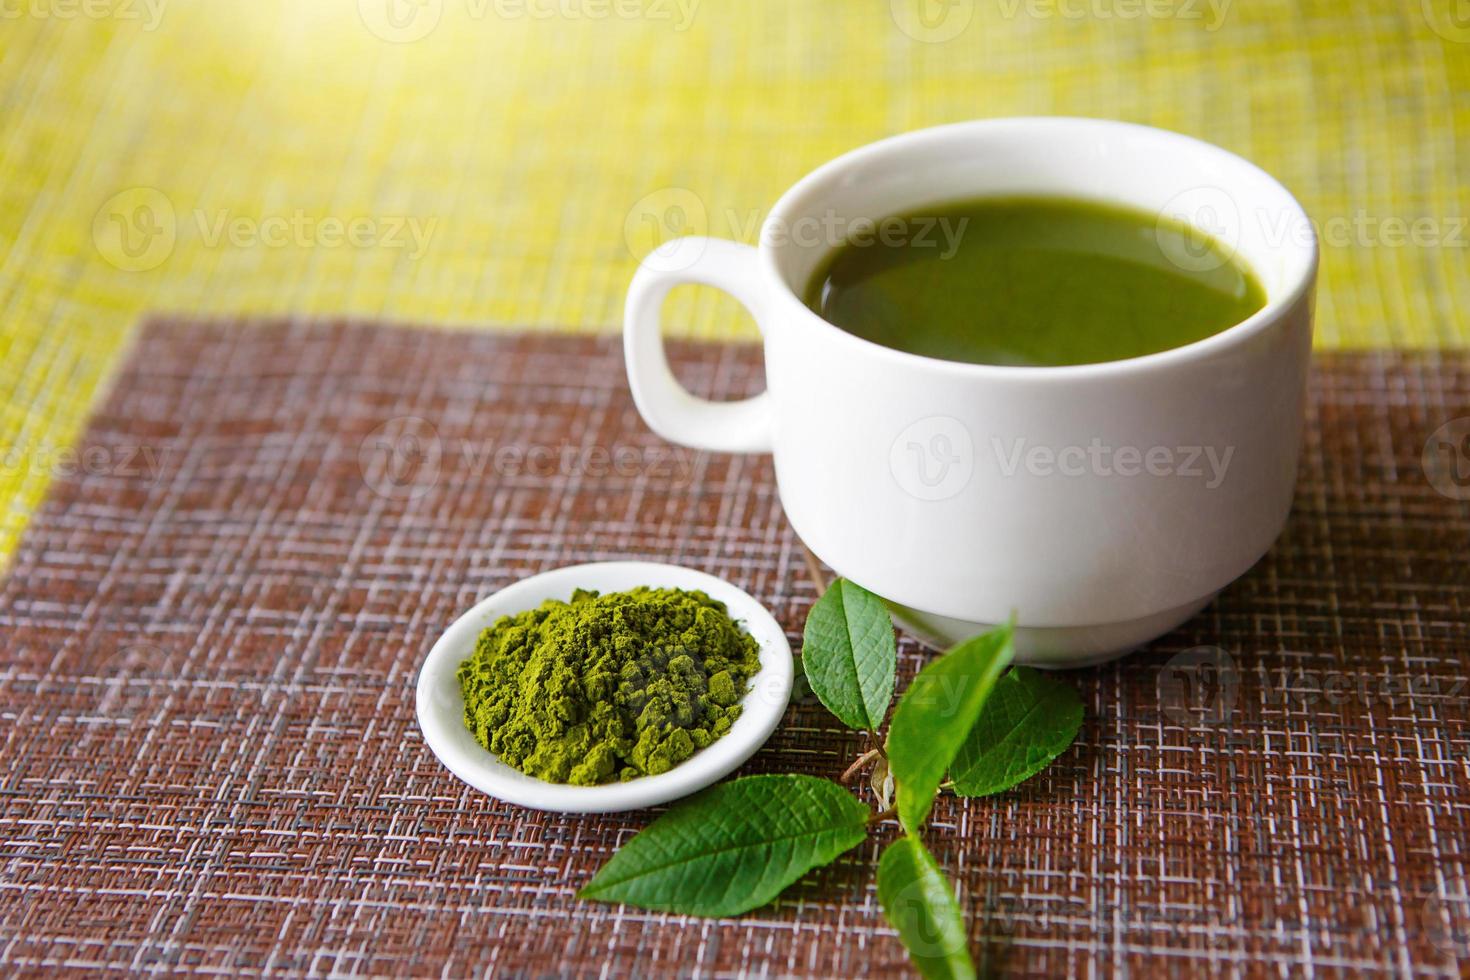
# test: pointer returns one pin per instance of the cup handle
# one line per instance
(668, 408)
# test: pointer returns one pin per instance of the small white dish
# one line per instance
(441, 705)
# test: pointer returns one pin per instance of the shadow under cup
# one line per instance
(1101, 504)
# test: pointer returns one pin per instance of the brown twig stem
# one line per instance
(857, 766)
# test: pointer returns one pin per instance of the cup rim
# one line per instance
(1304, 272)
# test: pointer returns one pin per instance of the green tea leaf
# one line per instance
(936, 713)
(849, 654)
(1029, 720)
(733, 847)
(920, 904)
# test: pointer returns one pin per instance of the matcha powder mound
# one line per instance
(607, 687)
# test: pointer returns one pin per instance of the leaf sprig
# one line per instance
(738, 845)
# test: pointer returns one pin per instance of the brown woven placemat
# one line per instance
(210, 634)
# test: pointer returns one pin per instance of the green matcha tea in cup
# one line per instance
(1084, 406)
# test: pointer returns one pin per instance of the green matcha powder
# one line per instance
(607, 687)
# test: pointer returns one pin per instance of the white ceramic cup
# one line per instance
(1102, 504)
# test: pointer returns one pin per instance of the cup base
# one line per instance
(1052, 647)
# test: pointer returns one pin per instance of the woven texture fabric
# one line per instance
(211, 633)
(505, 162)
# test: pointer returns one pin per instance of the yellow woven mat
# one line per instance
(502, 162)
